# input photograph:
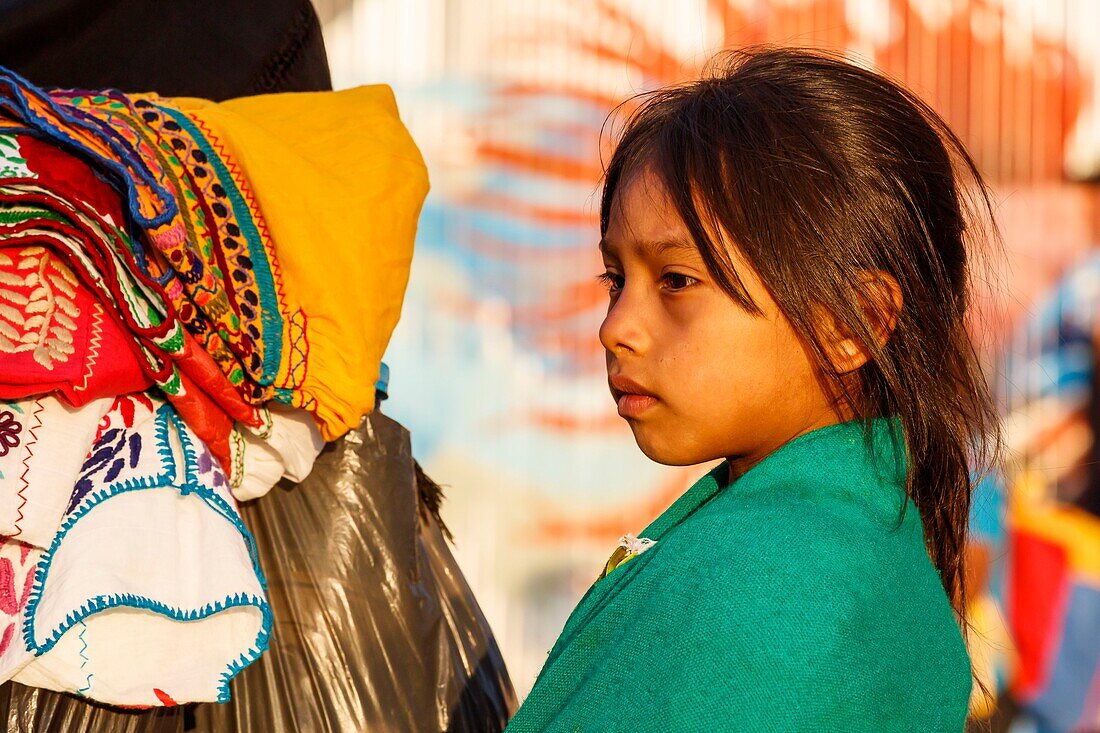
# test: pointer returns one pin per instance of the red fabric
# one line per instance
(70, 177)
(212, 426)
(200, 368)
(100, 362)
(210, 417)
(1037, 592)
(101, 272)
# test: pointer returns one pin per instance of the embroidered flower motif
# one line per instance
(113, 451)
(9, 598)
(165, 699)
(5, 641)
(12, 163)
(124, 411)
(38, 312)
(212, 471)
(9, 431)
(12, 600)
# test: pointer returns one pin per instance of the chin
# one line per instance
(666, 452)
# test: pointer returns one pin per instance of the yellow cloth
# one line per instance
(340, 183)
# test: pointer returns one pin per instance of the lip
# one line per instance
(632, 398)
(621, 385)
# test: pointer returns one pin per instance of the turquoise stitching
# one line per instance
(165, 479)
(269, 302)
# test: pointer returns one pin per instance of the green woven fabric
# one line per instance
(799, 598)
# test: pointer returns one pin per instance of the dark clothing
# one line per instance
(215, 49)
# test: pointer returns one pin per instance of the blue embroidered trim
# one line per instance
(261, 268)
(167, 478)
(15, 101)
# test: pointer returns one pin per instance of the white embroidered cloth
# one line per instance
(17, 563)
(150, 593)
(43, 443)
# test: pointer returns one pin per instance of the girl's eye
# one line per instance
(677, 281)
(612, 281)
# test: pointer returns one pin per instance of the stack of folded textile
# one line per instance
(193, 298)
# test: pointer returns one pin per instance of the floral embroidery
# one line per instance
(124, 411)
(112, 452)
(165, 699)
(12, 164)
(11, 599)
(37, 306)
(9, 431)
(211, 470)
(16, 581)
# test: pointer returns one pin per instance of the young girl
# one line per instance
(788, 278)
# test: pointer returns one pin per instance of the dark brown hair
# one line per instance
(818, 171)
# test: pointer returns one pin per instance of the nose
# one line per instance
(622, 330)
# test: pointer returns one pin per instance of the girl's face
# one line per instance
(695, 375)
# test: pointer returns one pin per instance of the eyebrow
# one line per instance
(663, 246)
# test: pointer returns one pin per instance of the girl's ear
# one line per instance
(880, 299)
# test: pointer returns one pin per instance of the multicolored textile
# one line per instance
(12, 162)
(246, 259)
(1052, 586)
(150, 593)
(43, 443)
(230, 201)
(32, 217)
(54, 209)
(350, 245)
(68, 177)
(216, 265)
(53, 329)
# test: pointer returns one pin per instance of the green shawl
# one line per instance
(798, 598)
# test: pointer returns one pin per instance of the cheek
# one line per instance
(748, 371)
(733, 358)
(796, 365)
(776, 371)
(728, 380)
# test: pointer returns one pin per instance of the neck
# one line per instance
(740, 464)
